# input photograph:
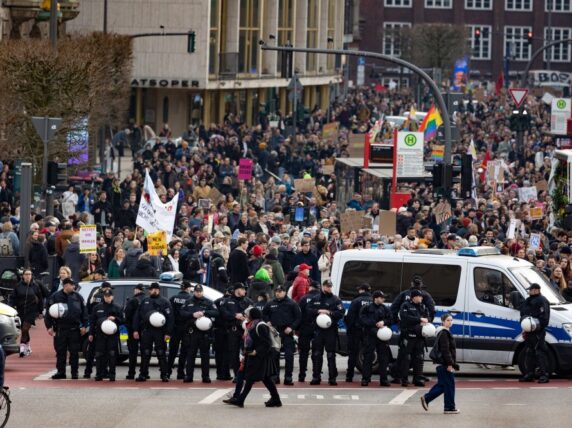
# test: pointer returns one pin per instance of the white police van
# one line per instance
(479, 287)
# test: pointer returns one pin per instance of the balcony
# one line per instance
(23, 10)
(228, 65)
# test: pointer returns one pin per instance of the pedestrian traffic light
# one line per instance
(529, 37)
(191, 42)
(466, 176)
(477, 35)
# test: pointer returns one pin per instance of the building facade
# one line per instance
(503, 25)
(228, 72)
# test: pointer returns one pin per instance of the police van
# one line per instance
(479, 287)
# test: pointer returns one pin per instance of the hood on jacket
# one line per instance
(131, 252)
(262, 275)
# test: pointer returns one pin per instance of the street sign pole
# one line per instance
(295, 110)
(25, 201)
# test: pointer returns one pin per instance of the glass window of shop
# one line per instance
(312, 37)
(331, 33)
(214, 36)
(285, 25)
(249, 35)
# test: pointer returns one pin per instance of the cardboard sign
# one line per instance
(527, 194)
(542, 186)
(355, 146)
(495, 171)
(304, 185)
(511, 232)
(215, 195)
(245, 169)
(351, 220)
(534, 241)
(536, 213)
(387, 222)
(205, 203)
(330, 131)
(327, 169)
(157, 243)
(87, 239)
(442, 212)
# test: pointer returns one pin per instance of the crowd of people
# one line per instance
(247, 232)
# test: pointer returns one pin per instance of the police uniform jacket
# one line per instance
(95, 300)
(100, 313)
(149, 305)
(410, 317)
(232, 306)
(177, 302)
(196, 304)
(76, 315)
(307, 322)
(131, 308)
(330, 302)
(405, 296)
(352, 318)
(536, 307)
(282, 313)
(371, 314)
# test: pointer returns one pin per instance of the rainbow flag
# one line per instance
(431, 123)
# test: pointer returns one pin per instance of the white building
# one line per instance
(228, 72)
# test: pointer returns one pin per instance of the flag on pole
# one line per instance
(473, 150)
(153, 214)
(484, 165)
(431, 123)
(375, 129)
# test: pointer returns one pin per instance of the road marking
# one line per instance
(164, 387)
(543, 387)
(514, 404)
(506, 387)
(46, 376)
(215, 396)
(402, 397)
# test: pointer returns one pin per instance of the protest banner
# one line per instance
(87, 239)
(245, 169)
(304, 185)
(157, 243)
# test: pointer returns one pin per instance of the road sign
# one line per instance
(518, 95)
(410, 154)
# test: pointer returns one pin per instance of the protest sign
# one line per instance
(87, 239)
(304, 185)
(387, 222)
(245, 169)
(157, 243)
(527, 194)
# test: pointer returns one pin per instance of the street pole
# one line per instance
(524, 79)
(54, 24)
(104, 16)
(549, 39)
(434, 88)
(25, 201)
(295, 109)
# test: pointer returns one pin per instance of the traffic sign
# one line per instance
(518, 95)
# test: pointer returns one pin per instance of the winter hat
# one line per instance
(262, 275)
(257, 251)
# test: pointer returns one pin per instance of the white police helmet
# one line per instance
(324, 321)
(157, 319)
(529, 324)
(58, 310)
(204, 323)
(428, 330)
(108, 327)
(384, 334)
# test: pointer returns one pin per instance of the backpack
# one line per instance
(275, 341)
(6, 248)
(435, 354)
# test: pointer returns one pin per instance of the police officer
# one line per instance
(416, 284)
(221, 340)
(68, 329)
(106, 346)
(284, 315)
(306, 332)
(197, 340)
(151, 335)
(325, 338)
(413, 315)
(373, 317)
(177, 302)
(354, 327)
(95, 300)
(232, 313)
(536, 306)
(131, 308)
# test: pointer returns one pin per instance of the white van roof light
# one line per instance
(479, 251)
(172, 276)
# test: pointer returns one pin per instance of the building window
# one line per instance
(312, 34)
(214, 36)
(249, 35)
(397, 3)
(392, 37)
(165, 110)
(331, 59)
(438, 4)
(558, 5)
(480, 49)
(285, 25)
(561, 52)
(518, 5)
(515, 41)
(479, 4)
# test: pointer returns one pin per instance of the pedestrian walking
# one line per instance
(444, 355)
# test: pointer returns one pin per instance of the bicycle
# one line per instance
(4, 406)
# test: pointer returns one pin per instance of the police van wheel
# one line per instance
(359, 362)
(522, 365)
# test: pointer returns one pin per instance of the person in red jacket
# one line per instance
(301, 284)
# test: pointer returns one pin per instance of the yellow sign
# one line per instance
(536, 213)
(157, 243)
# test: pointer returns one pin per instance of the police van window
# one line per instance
(494, 287)
(384, 276)
(169, 292)
(442, 281)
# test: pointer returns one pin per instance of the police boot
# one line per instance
(273, 402)
(332, 369)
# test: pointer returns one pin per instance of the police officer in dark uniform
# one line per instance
(416, 284)
(95, 300)
(221, 341)
(373, 317)
(131, 308)
(177, 302)
(354, 327)
(536, 306)
(413, 315)
(306, 332)
(68, 329)
(232, 312)
(106, 345)
(197, 340)
(284, 315)
(151, 335)
(325, 338)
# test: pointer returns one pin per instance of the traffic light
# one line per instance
(58, 174)
(191, 42)
(529, 37)
(466, 176)
(477, 35)
(286, 65)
